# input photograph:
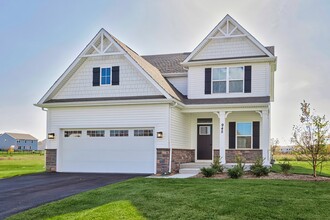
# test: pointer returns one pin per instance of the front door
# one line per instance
(204, 142)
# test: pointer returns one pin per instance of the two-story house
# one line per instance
(18, 141)
(113, 110)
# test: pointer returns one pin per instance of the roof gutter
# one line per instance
(229, 61)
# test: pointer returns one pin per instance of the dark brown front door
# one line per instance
(204, 142)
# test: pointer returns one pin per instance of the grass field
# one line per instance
(143, 198)
(303, 167)
(19, 164)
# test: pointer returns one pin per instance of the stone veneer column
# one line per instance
(163, 160)
(51, 160)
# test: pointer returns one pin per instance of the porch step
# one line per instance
(189, 171)
(197, 165)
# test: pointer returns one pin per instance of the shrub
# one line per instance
(238, 170)
(208, 171)
(235, 172)
(285, 167)
(217, 165)
(258, 168)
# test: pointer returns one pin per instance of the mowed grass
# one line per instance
(144, 198)
(303, 167)
(19, 164)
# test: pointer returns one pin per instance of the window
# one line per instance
(228, 80)
(143, 132)
(204, 130)
(106, 76)
(72, 133)
(204, 120)
(244, 135)
(95, 133)
(219, 80)
(118, 133)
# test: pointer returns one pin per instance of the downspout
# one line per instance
(173, 105)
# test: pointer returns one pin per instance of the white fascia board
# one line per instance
(104, 103)
(172, 75)
(231, 61)
(225, 107)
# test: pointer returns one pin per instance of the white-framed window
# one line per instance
(95, 133)
(72, 133)
(244, 135)
(204, 130)
(105, 76)
(228, 80)
(118, 133)
(145, 132)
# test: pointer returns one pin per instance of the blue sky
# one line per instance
(39, 40)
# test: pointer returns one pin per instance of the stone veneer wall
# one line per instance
(163, 159)
(216, 152)
(180, 156)
(51, 160)
(249, 156)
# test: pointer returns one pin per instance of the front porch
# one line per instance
(227, 133)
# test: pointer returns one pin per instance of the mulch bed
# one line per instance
(272, 175)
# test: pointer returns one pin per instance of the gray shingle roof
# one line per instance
(168, 63)
(19, 136)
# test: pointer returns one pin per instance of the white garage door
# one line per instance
(107, 150)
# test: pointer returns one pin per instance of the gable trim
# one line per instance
(217, 28)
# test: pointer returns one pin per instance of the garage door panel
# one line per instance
(107, 154)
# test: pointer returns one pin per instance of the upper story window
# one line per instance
(105, 76)
(228, 80)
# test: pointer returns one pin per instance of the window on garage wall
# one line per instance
(95, 133)
(145, 132)
(118, 133)
(72, 133)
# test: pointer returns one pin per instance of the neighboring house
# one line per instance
(42, 145)
(113, 110)
(19, 141)
(286, 149)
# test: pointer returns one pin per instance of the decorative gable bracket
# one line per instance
(228, 30)
(102, 45)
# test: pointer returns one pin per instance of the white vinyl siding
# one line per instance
(180, 83)
(109, 117)
(260, 84)
(180, 129)
(226, 48)
(131, 83)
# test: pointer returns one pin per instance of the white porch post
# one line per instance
(265, 137)
(222, 140)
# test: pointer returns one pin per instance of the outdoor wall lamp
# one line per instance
(159, 134)
(222, 128)
(51, 135)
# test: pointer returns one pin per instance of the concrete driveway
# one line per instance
(24, 192)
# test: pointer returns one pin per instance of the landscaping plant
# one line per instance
(238, 170)
(310, 137)
(217, 165)
(208, 171)
(285, 167)
(258, 168)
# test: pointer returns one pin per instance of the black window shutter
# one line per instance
(207, 80)
(115, 75)
(96, 76)
(247, 79)
(256, 135)
(232, 135)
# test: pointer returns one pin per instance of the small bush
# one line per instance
(258, 168)
(235, 172)
(208, 171)
(238, 170)
(285, 167)
(217, 165)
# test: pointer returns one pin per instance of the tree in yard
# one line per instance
(310, 137)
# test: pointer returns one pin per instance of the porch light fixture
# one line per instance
(159, 134)
(51, 135)
(221, 128)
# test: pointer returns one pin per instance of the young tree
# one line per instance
(310, 137)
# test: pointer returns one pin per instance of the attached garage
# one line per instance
(125, 150)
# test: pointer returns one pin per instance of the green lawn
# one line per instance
(19, 164)
(303, 167)
(143, 198)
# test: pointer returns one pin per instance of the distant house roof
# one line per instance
(19, 136)
(168, 63)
